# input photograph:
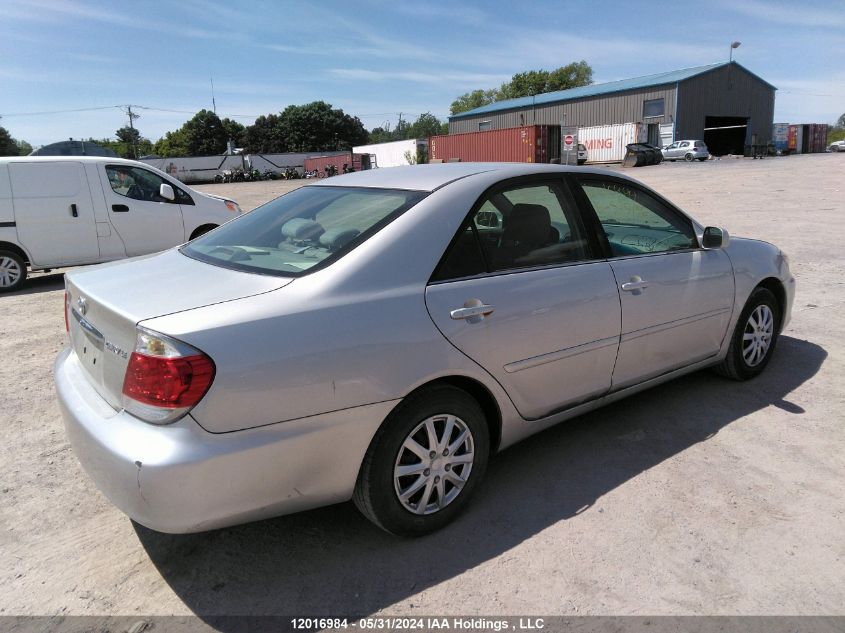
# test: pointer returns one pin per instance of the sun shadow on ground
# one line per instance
(333, 562)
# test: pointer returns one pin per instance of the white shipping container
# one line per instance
(393, 154)
(606, 143)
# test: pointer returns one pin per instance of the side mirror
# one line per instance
(487, 218)
(714, 238)
(166, 192)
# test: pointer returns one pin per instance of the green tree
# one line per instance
(317, 127)
(234, 131)
(380, 135)
(841, 121)
(475, 99)
(264, 136)
(524, 84)
(25, 149)
(8, 146)
(172, 144)
(426, 125)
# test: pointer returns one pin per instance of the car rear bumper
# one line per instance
(180, 478)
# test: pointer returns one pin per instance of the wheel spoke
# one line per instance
(466, 458)
(447, 433)
(440, 486)
(455, 480)
(411, 490)
(410, 469)
(454, 446)
(426, 496)
(412, 445)
(432, 434)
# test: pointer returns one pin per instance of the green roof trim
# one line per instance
(595, 90)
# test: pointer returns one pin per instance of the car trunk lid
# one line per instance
(106, 302)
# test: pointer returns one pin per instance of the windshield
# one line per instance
(302, 229)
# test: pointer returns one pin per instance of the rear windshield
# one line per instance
(308, 227)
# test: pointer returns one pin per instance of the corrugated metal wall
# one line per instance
(623, 107)
(729, 91)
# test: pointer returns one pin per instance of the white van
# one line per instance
(58, 211)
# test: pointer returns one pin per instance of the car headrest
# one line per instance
(528, 224)
(335, 239)
(302, 229)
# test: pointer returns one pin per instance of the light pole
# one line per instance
(733, 46)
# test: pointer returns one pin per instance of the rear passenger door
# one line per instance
(677, 298)
(54, 214)
(523, 291)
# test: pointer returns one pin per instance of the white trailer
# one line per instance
(393, 154)
(606, 143)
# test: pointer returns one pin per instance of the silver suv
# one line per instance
(688, 150)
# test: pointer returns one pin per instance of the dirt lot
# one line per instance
(702, 496)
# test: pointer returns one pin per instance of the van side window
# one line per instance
(140, 184)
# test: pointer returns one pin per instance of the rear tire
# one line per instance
(689, 157)
(754, 338)
(12, 271)
(439, 437)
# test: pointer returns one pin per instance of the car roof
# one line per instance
(433, 176)
(69, 159)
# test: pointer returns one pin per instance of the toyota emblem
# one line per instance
(82, 304)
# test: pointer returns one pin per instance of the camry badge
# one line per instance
(82, 304)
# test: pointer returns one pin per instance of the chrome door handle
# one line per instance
(476, 312)
(636, 283)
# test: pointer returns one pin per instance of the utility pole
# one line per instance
(213, 102)
(132, 116)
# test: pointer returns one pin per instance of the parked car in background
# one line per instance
(836, 146)
(377, 336)
(65, 211)
(583, 156)
(687, 150)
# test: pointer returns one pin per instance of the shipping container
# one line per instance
(606, 143)
(359, 162)
(780, 137)
(795, 137)
(526, 144)
(393, 154)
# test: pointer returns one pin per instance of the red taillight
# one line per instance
(170, 383)
(67, 309)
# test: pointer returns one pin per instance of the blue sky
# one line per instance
(377, 59)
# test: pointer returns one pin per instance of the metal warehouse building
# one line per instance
(725, 104)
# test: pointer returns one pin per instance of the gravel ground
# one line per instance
(702, 496)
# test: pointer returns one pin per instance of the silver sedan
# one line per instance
(378, 336)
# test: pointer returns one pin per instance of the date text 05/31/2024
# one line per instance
(421, 623)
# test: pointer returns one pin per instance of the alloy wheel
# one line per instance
(757, 337)
(433, 464)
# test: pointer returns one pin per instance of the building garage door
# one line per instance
(725, 134)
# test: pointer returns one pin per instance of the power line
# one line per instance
(57, 111)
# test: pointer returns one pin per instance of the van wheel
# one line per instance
(12, 271)
(424, 463)
(201, 230)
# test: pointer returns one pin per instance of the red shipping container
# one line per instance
(339, 160)
(526, 144)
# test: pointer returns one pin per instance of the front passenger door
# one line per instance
(524, 293)
(677, 298)
(145, 221)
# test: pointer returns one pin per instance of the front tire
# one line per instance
(754, 338)
(12, 271)
(424, 463)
